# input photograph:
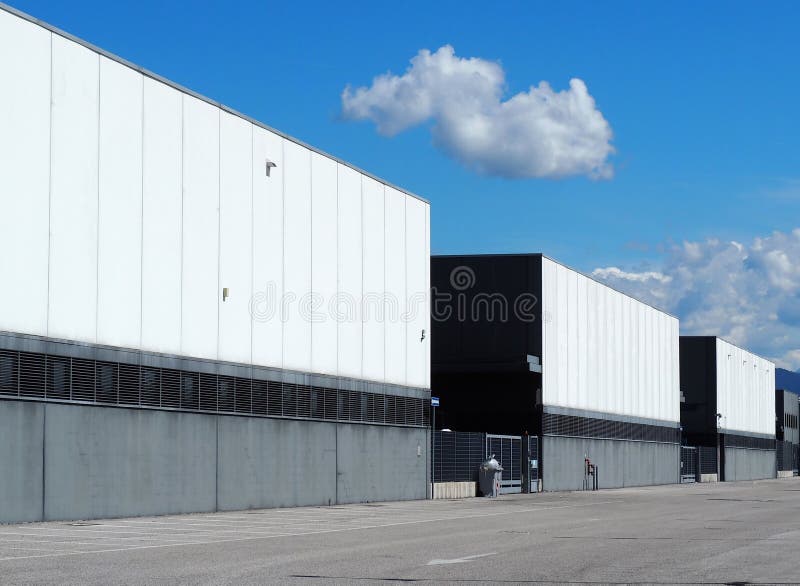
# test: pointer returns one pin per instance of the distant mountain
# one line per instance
(787, 380)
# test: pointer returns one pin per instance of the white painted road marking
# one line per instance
(173, 536)
(463, 560)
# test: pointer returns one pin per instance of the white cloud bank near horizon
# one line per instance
(748, 294)
(540, 133)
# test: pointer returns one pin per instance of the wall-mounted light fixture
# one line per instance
(422, 337)
(270, 165)
(225, 293)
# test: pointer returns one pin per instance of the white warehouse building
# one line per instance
(191, 299)
(729, 404)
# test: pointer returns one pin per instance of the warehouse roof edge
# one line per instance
(172, 84)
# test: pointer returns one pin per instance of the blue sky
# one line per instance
(701, 98)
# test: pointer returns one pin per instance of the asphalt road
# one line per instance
(707, 534)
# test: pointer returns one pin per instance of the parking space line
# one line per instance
(319, 532)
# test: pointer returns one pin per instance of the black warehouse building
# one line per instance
(524, 345)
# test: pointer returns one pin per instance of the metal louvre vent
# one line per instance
(58, 378)
(190, 390)
(208, 392)
(61, 378)
(129, 384)
(31, 375)
(244, 395)
(9, 372)
(171, 388)
(587, 427)
(83, 381)
(749, 442)
(107, 382)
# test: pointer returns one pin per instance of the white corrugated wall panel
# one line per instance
(562, 324)
(324, 274)
(562, 320)
(297, 256)
(644, 353)
(375, 311)
(628, 396)
(724, 357)
(162, 236)
(235, 243)
(119, 274)
(659, 386)
(417, 310)
(137, 204)
(618, 390)
(592, 348)
(652, 366)
(676, 378)
(350, 272)
(634, 358)
(428, 296)
(646, 364)
(550, 361)
(267, 249)
(200, 287)
(602, 401)
(24, 174)
(662, 364)
(671, 389)
(769, 392)
(614, 389)
(73, 192)
(395, 279)
(745, 390)
(666, 361)
(583, 394)
(573, 333)
(604, 351)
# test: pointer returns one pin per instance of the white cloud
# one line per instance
(749, 294)
(617, 273)
(538, 133)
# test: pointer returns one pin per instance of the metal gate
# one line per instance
(689, 463)
(534, 464)
(508, 451)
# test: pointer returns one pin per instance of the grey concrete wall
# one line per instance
(21, 461)
(381, 463)
(747, 464)
(111, 462)
(62, 461)
(620, 463)
(275, 463)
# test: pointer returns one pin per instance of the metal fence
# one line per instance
(787, 455)
(697, 461)
(457, 455)
(689, 464)
(534, 464)
(29, 375)
(508, 451)
(707, 460)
